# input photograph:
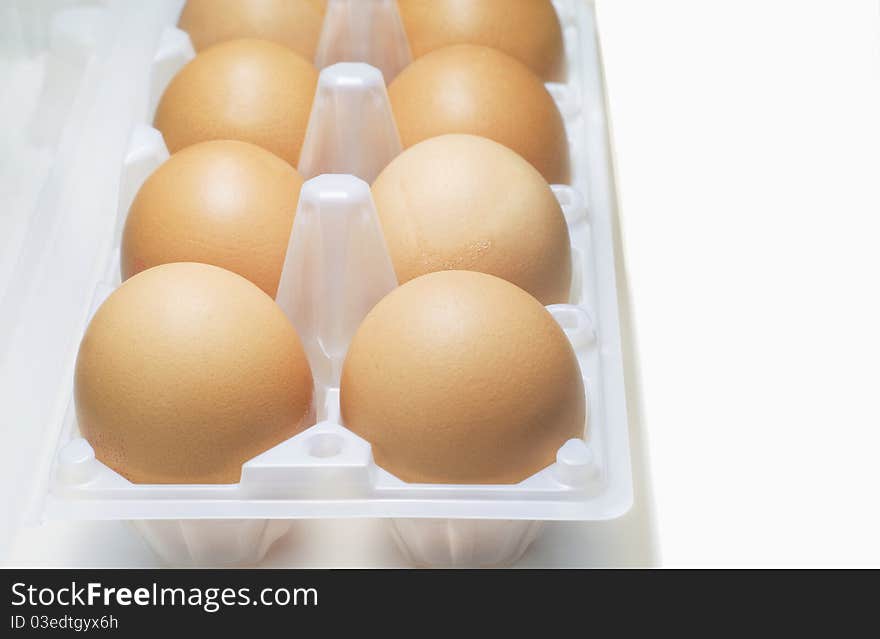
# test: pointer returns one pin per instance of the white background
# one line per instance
(747, 146)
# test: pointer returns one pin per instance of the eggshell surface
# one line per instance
(462, 377)
(481, 91)
(223, 202)
(466, 202)
(527, 30)
(187, 371)
(250, 90)
(295, 24)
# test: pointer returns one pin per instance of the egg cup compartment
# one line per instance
(327, 471)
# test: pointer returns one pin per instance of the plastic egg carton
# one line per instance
(336, 269)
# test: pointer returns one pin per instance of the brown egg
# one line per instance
(466, 202)
(478, 90)
(528, 30)
(186, 372)
(223, 202)
(250, 90)
(461, 377)
(294, 23)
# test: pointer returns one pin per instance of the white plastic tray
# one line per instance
(328, 472)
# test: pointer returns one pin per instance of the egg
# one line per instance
(250, 90)
(187, 371)
(465, 202)
(481, 91)
(223, 202)
(294, 23)
(527, 30)
(462, 377)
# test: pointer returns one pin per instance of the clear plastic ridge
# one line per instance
(351, 128)
(368, 31)
(336, 269)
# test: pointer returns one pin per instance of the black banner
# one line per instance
(125, 601)
(135, 602)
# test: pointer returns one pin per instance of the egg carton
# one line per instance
(336, 269)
